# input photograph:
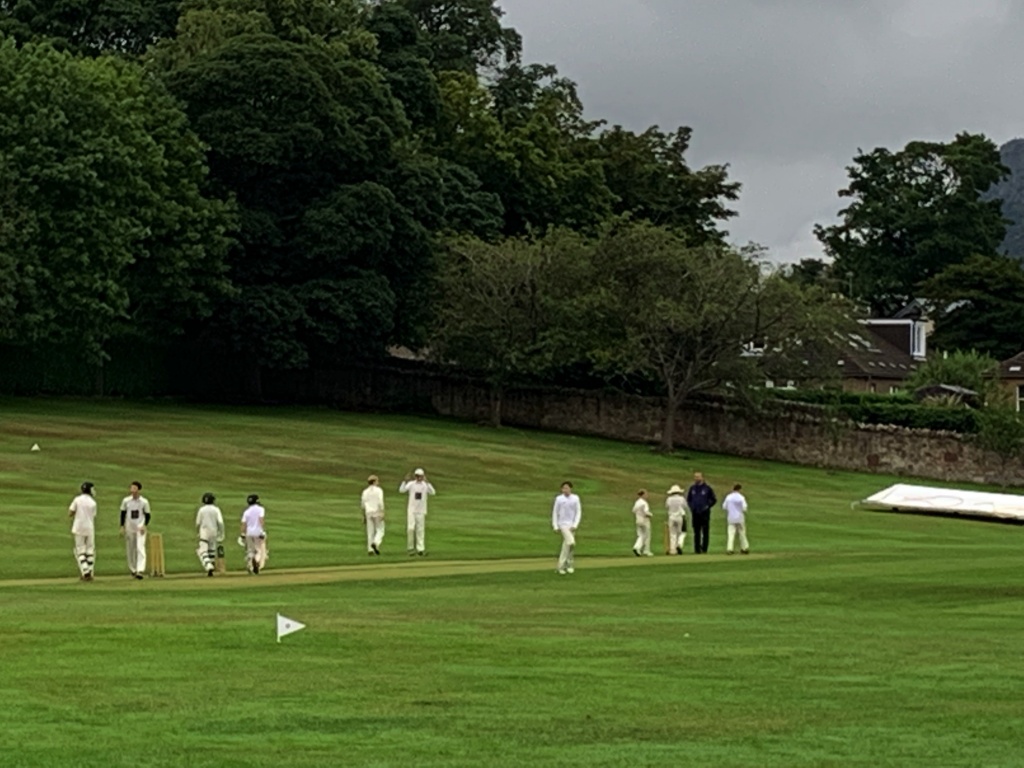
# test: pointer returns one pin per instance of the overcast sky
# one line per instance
(786, 91)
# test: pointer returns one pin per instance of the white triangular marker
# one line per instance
(286, 626)
(35, 446)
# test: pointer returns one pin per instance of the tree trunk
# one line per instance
(497, 392)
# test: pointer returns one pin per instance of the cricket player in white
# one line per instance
(135, 516)
(372, 504)
(210, 527)
(255, 532)
(565, 519)
(735, 506)
(642, 513)
(418, 489)
(83, 510)
(676, 507)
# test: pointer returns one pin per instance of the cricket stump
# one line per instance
(155, 557)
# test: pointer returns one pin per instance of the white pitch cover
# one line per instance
(1001, 507)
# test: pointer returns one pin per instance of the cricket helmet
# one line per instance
(209, 498)
(87, 488)
(253, 498)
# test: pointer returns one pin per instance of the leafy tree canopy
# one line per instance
(90, 27)
(651, 180)
(101, 186)
(980, 306)
(465, 35)
(913, 213)
(971, 370)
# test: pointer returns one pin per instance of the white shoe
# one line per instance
(570, 570)
(561, 572)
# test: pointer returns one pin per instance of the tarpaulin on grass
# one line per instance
(920, 499)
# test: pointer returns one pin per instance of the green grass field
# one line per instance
(846, 639)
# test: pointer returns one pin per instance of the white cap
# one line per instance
(419, 472)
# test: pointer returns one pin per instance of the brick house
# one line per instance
(1011, 378)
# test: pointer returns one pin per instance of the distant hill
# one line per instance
(1011, 192)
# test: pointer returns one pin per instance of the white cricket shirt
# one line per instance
(735, 505)
(253, 519)
(84, 507)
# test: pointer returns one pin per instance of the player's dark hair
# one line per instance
(737, 487)
(567, 483)
(137, 484)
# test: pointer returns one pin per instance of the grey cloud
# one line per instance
(786, 91)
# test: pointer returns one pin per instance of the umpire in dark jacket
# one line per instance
(700, 498)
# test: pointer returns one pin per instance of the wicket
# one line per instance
(155, 542)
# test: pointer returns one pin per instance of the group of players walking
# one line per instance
(698, 500)
(135, 517)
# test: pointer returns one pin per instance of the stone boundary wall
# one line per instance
(786, 432)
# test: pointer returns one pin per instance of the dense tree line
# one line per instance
(278, 178)
(300, 184)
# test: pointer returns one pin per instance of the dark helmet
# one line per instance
(87, 488)
(253, 498)
(209, 498)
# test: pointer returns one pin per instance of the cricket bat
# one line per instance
(219, 566)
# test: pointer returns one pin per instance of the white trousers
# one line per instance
(734, 530)
(207, 550)
(643, 537)
(255, 551)
(135, 549)
(566, 558)
(374, 532)
(676, 532)
(85, 553)
(416, 532)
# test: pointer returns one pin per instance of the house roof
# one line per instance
(866, 355)
(1013, 368)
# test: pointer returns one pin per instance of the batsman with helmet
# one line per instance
(210, 526)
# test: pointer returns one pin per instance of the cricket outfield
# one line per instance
(846, 639)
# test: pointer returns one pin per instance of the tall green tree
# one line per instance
(465, 35)
(108, 231)
(90, 27)
(648, 175)
(544, 172)
(914, 213)
(306, 136)
(405, 57)
(506, 309)
(979, 306)
(682, 317)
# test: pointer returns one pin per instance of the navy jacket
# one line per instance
(700, 498)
